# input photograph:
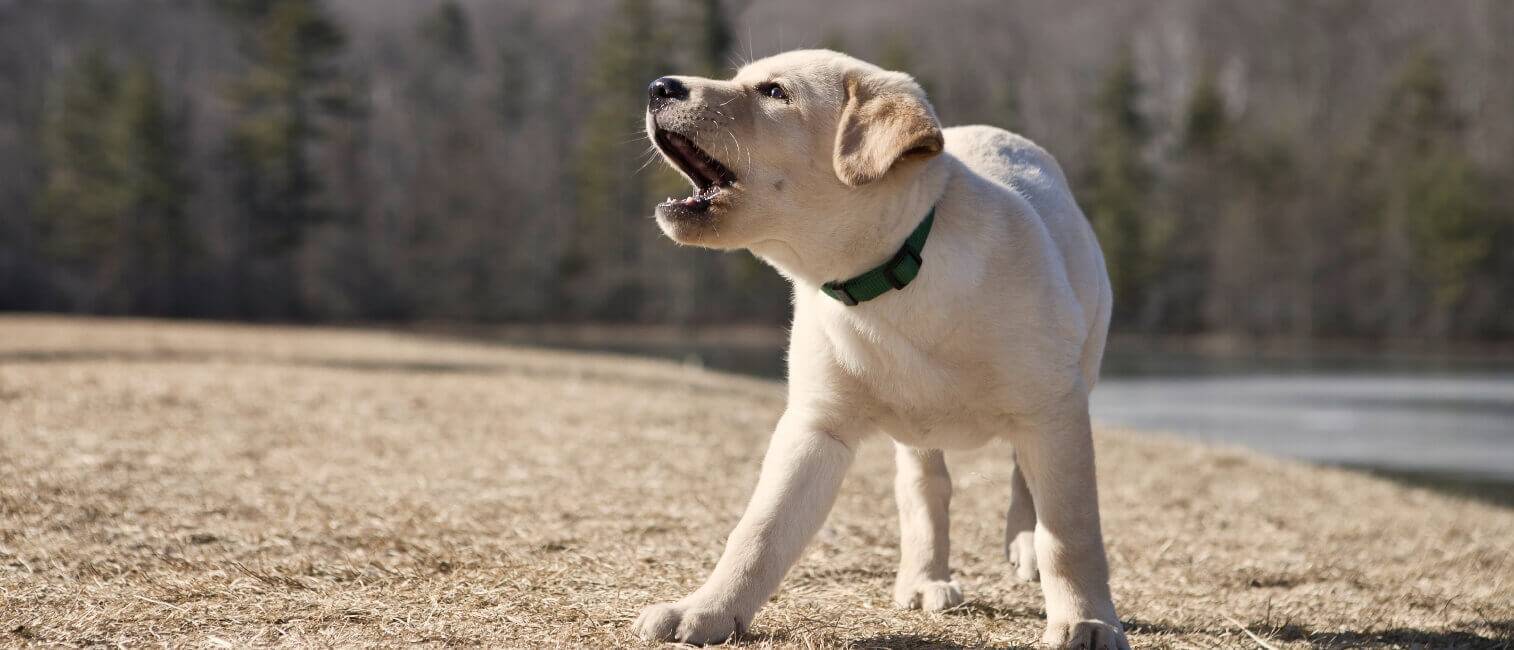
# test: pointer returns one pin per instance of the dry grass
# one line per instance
(206, 485)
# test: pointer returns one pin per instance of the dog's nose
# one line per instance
(665, 90)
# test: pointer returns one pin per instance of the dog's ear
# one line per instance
(885, 119)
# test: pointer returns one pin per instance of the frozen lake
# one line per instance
(1462, 425)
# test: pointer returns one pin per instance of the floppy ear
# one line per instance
(886, 118)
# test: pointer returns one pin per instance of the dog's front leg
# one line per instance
(801, 474)
(923, 490)
(1056, 454)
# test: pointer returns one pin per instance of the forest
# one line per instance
(1296, 169)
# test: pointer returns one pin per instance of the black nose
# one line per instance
(665, 90)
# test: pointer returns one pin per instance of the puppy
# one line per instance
(947, 291)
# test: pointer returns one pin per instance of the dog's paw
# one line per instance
(1022, 555)
(927, 595)
(687, 622)
(1089, 635)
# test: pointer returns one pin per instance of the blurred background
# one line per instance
(1307, 207)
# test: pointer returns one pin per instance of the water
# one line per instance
(1426, 417)
(1405, 416)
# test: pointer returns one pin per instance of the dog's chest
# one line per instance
(932, 398)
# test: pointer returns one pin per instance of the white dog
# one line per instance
(947, 291)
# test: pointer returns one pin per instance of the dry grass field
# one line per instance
(215, 485)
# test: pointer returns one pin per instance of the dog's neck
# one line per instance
(844, 250)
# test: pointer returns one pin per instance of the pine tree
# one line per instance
(289, 102)
(1428, 228)
(81, 202)
(457, 207)
(1119, 185)
(148, 151)
(1196, 198)
(292, 84)
(115, 193)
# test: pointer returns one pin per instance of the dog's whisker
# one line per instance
(650, 160)
(739, 147)
(651, 155)
(736, 142)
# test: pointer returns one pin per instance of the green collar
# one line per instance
(893, 274)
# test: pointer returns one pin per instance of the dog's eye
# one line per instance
(773, 90)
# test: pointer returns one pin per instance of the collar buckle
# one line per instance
(891, 270)
(838, 291)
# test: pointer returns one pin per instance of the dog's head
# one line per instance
(781, 147)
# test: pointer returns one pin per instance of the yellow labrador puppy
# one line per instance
(947, 291)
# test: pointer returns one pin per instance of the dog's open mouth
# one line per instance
(708, 175)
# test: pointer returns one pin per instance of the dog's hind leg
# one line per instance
(1020, 525)
(923, 490)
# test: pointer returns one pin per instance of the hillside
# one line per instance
(219, 485)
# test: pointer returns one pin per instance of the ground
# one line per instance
(216, 485)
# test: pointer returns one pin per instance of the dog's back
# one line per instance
(1031, 172)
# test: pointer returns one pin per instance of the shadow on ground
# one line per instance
(1337, 640)
(1487, 490)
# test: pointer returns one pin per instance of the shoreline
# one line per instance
(578, 334)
